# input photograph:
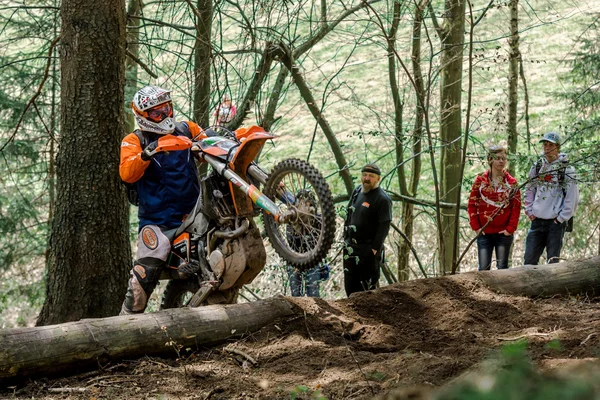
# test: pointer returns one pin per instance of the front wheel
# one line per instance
(179, 292)
(299, 189)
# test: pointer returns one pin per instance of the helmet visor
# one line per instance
(160, 112)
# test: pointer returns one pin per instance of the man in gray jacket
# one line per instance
(551, 198)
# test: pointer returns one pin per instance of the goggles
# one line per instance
(159, 113)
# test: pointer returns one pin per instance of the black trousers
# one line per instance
(361, 268)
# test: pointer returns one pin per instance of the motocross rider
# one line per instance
(167, 185)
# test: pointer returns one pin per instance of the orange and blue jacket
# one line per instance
(167, 184)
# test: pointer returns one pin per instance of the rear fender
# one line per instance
(251, 143)
(242, 133)
(249, 148)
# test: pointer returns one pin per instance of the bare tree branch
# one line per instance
(141, 64)
(262, 70)
(306, 94)
(485, 10)
(180, 28)
(438, 29)
(326, 28)
(411, 247)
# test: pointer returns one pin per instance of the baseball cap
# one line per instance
(551, 137)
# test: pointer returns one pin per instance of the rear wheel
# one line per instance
(297, 187)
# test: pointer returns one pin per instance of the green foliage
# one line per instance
(585, 104)
(26, 36)
(554, 345)
(376, 376)
(516, 378)
(21, 296)
(585, 70)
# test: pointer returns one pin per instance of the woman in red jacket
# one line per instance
(494, 208)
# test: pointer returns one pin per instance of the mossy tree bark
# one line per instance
(90, 253)
(397, 100)
(268, 119)
(263, 68)
(403, 270)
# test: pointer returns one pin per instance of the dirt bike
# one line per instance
(218, 248)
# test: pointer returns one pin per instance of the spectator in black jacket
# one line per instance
(368, 218)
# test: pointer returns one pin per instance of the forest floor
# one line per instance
(399, 342)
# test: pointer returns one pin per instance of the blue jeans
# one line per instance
(304, 283)
(486, 245)
(544, 233)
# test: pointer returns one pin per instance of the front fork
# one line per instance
(251, 191)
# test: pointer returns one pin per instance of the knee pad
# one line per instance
(146, 274)
(141, 284)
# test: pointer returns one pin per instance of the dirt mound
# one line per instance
(417, 334)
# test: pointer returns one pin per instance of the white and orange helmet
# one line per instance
(153, 110)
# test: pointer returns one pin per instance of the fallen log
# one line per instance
(570, 277)
(48, 350)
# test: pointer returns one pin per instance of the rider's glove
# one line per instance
(149, 151)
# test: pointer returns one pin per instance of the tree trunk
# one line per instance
(134, 9)
(407, 208)
(404, 245)
(203, 63)
(403, 271)
(53, 140)
(397, 101)
(450, 129)
(513, 80)
(268, 119)
(90, 253)
(526, 104)
(28, 352)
